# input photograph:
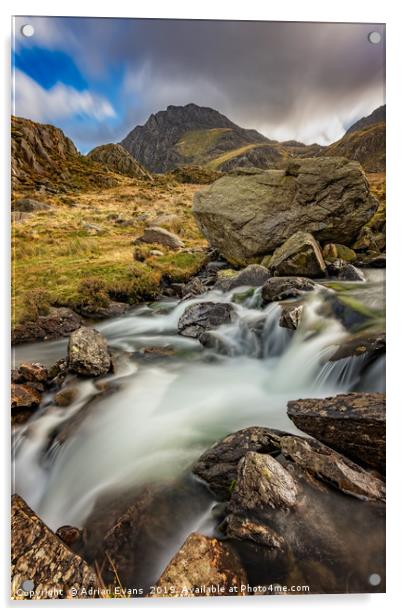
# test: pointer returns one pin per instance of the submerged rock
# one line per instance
(329, 465)
(58, 323)
(218, 465)
(291, 315)
(251, 276)
(88, 353)
(39, 556)
(262, 482)
(285, 287)
(203, 566)
(199, 318)
(250, 215)
(353, 424)
(158, 235)
(300, 255)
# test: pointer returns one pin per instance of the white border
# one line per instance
(291, 10)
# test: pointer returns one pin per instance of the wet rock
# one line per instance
(344, 271)
(23, 396)
(199, 318)
(16, 376)
(58, 323)
(58, 372)
(29, 205)
(69, 535)
(65, 397)
(203, 566)
(33, 372)
(262, 482)
(377, 261)
(300, 255)
(353, 314)
(353, 424)
(157, 235)
(285, 287)
(194, 287)
(218, 465)
(250, 215)
(246, 529)
(291, 315)
(251, 276)
(372, 345)
(88, 353)
(331, 466)
(332, 252)
(38, 555)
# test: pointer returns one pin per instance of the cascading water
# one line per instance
(152, 418)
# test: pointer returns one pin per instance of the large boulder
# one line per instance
(353, 424)
(250, 215)
(157, 235)
(300, 255)
(42, 566)
(200, 318)
(203, 566)
(88, 353)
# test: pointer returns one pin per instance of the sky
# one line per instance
(96, 79)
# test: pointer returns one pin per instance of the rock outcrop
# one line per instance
(116, 158)
(42, 566)
(300, 255)
(248, 216)
(88, 353)
(353, 424)
(203, 566)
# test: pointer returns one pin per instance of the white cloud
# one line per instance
(59, 102)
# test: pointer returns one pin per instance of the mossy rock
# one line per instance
(331, 252)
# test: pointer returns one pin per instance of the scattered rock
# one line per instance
(33, 372)
(203, 566)
(262, 482)
(353, 424)
(194, 287)
(58, 372)
(88, 353)
(300, 255)
(250, 276)
(23, 396)
(59, 322)
(291, 315)
(345, 271)
(19, 216)
(329, 465)
(285, 287)
(250, 215)
(156, 253)
(332, 252)
(92, 229)
(218, 465)
(29, 205)
(199, 318)
(157, 235)
(246, 529)
(38, 555)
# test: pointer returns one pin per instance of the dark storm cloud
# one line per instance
(288, 80)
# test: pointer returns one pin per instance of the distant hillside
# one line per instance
(117, 159)
(376, 117)
(366, 145)
(42, 157)
(193, 135)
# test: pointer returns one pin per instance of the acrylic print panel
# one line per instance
(198, 308)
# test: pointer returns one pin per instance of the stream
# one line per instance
(147, 422)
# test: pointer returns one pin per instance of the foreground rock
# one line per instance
(353, 424)
(250, 276)
(332, 467)
(203, 566)
(39, 556)
(218, 465)
(250, 215)
(200, 318)
(24, 399)
(88, 353)
(300, 255)
(285, 287)
(158, 235)
(59, 322)
(262, 482)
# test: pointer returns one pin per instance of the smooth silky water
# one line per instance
(147, 422)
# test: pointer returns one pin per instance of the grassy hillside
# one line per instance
(195, 145)
(366, 145)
